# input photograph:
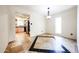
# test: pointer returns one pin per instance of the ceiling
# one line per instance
(42, 9)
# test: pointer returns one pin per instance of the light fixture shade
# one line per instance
(48, 17)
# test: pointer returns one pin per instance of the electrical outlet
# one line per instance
(71, 34)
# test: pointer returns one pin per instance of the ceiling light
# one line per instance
(48, 17)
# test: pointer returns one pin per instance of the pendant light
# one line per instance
(48, 13)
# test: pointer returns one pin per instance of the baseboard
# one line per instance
(66, 37)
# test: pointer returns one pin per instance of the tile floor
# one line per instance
(23, 43)
(55, 43)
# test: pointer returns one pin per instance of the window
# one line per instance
(20, 22)
(58, 25)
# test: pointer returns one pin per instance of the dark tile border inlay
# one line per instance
(65, 49)
(45, 50)
(47, 36)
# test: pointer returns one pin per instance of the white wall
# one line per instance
(68, 23)
(11, 17)
(38, 26)
(78, 27)
(3, 28)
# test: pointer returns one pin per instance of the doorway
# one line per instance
(22, 24)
